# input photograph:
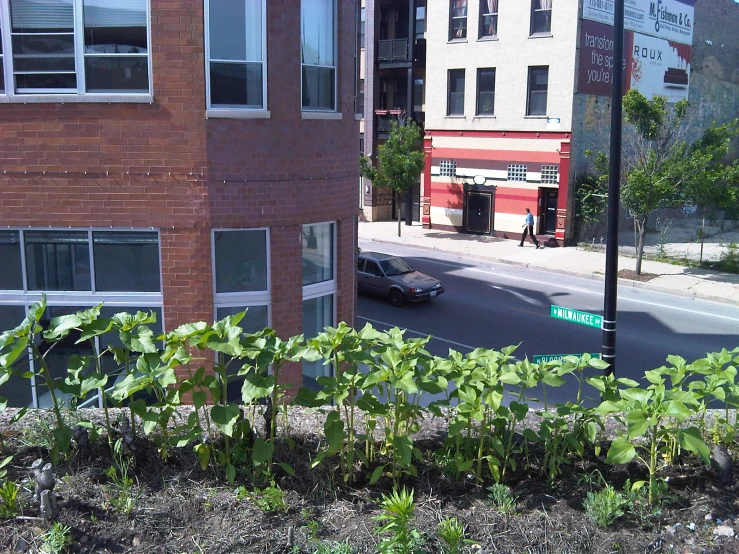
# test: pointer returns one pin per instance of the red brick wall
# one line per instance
(164, 164)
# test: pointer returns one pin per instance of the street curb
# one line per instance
(594, 276)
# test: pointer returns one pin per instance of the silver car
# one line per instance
(390, 277)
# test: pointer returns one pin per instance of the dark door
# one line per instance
(550, 213)
(478, 212)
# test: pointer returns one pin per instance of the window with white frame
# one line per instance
(488, 18)
(516, 172)
(550, 174)
(318, 54)
(448, 168)
(76, 269)
(241, 278)
(541, 17)
(77, 47)
(236, 57)
(319, 289)
(458, 19)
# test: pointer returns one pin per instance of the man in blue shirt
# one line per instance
(528, 227)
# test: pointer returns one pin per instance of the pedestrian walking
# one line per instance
(528, 227)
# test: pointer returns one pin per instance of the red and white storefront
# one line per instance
(482, 181)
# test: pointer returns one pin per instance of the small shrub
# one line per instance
(502, 498)
(638, 500)
(271, 500)
(311, 524)
(605, 506)
(452, 532)
(123, 500)
(10, 504)
(57, 540)
(398, 519)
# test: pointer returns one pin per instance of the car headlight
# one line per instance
(414, 291)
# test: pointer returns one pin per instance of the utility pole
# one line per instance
(614, 182)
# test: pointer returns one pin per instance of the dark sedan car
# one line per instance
(391, 277)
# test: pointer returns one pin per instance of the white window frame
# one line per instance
(242, 298)
(322, 113)
(83, 297)
(236, 112)
(80, 95)
(325, 288)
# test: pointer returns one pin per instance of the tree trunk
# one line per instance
(641, 227)
(398, 208)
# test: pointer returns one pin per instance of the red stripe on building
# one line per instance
(508, 156)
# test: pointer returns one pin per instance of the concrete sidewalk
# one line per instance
(675, 279)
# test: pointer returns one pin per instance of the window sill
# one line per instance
(457, 41)
(77, 99)
(535, 117)
(488, 39)
(237, 114)
(541, 35)
(455, 116)
(322, 115)
(484, 117)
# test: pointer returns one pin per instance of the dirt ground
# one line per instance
(179, 508)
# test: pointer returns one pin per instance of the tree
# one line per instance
(660, 168)
(400, 161)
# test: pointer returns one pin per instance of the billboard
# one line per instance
(653, 66)
(657, 47)
(667, 19)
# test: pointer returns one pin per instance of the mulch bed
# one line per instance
(180, 508)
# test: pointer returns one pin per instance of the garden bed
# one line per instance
(176, 507)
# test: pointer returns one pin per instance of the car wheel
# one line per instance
(396, 297)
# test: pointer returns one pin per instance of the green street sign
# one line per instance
(544, 358)
(576, 316)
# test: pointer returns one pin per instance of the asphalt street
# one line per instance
(494, 305)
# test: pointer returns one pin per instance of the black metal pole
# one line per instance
(614, 181)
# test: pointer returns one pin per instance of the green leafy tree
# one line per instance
(400, 161)
(661, 168)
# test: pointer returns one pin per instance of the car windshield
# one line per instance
(395, 266)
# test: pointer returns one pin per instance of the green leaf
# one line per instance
(333, 430)
(230, 471)
(376, 474)
(287, 468)
(519, 410)
(199, 398)
(691, 440)
(637, 423)
(262, 451)
(309, 398)
(225, 417)
(256, 386)
(404, 448)
(620, 452)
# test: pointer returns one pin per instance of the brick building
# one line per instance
(190, 158)
(518, 90)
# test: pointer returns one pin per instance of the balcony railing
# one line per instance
(395, 50)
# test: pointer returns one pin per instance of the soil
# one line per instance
(632, 275)
(179, 508)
